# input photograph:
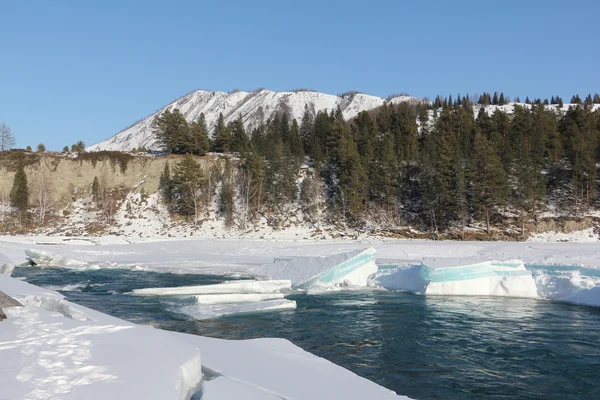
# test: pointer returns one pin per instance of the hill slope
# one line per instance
(254, 108)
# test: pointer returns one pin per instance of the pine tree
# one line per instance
(78, 147)
(596, 98)
(501, 99)
(19, 194)
(41, 148)
(188, 182)
(173, 132)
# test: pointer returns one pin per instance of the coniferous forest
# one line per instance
(438, 166)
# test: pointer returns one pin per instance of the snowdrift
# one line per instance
(351, 269)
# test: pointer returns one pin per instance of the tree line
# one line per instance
(406, 163)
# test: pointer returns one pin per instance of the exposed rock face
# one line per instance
(68, 178)
(6, 301)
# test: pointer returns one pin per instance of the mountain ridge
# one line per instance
(254, 107)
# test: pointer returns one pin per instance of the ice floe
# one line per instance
(351, 269)
(228, 287)
(570, 284)
(463, 277)
(230, 297)
(204, 311)
(236, 298)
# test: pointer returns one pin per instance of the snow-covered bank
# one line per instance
(54, 349)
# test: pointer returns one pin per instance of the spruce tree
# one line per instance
(352, 176)
(227, 195)
(363, 130)
(239, 138)
(199, 143)
(165, 187)
(95, 188)
(221, 136)
(19, 194)
(490, 185)
(307, 132)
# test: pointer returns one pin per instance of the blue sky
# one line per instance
(79, 70)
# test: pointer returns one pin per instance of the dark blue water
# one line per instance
(426, 348)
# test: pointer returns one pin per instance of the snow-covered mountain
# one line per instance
(254, 107)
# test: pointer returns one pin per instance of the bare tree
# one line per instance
(312, 198)
(5, 208)
(7, 140)
(41, 192)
